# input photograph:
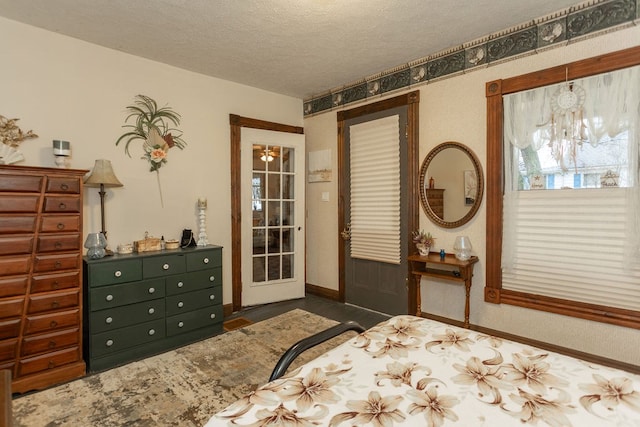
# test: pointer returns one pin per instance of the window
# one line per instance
(562, 228)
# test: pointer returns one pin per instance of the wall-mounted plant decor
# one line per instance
(155, 127)
(11, 136)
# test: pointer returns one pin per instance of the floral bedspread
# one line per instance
(410, 371)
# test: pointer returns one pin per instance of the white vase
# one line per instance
(423, 249)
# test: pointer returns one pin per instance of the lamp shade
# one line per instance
(102, 174)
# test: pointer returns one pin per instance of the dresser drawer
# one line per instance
(53, 301)
(48, 361)
(13, 286)
(8, 350)
(61, 204)
(193, 281)
(194, 320)
(19, 204)
(113, 341)
(163, 265)
(50, 342)
(126, 293)
(54, 282)
(193, 300)
(11, 307)
(17, 224)
(63, 185)
(15, 265)
(204, 259)
(14, 245)
(21, 183)
(119, 317)
(9, 328)
(58, 242)
(46, 263)
(59, 223)
(108, 273)
(51, 321)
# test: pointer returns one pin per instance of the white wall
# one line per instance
(454, 109)
(63, 88)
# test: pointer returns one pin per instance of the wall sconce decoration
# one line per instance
(61, 151)
(462, 248)
(102, 176)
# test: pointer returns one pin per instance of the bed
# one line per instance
(411, 371)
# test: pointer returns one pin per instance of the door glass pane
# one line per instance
(273, 202)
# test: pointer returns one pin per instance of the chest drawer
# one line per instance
(52, 321)
(17, 224)
(53, 301)
(54, 282)
(8, 349)
(113, 341)
(45, 263)
(13, 245)
(193, 281)
(11, 307)
(21, 183)
(204, 259)
(13, 286)
(193, 300)
(109, 273)
(126, 293)
(196, 319)
(58, 223)
(58, 242)
(50, 342)
(163, 265)
(9, 328)
(63, 185)
(19, 204)
(15, 265)
(119, 317)
(48, 361)
(61, 204)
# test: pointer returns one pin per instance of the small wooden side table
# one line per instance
(432, 266)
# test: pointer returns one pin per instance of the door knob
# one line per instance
(346, 233)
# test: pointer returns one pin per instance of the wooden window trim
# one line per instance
(494, 92)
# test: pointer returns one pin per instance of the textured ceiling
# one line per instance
(299, 48)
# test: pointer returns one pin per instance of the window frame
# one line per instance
(494, 90)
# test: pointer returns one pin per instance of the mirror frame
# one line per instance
(423, 178)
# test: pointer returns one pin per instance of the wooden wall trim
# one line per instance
(331, 294)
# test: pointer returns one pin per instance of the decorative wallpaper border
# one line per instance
(584, 20)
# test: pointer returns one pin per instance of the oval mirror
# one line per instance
(451, 184)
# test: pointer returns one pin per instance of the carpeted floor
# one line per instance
(184, 387)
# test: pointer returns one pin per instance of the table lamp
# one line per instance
(102, 176)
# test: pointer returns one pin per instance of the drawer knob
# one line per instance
(118, 273)
(212, 278)
(180, 284)
(152, 310)
(165, 267)
(62, 206)
(64, 187)
(180, 304)
(58, 245)
(52, 364)
(53, 324)
(55, 304)
(109, 343)
(180, 324)
(152, 290)
(206, 260)
(109, 297)
(212, 315)
(152, 331)
(58, 264)
(212, 297)
(52, 344)
(55, 284)
(108, 320)
(60, 226)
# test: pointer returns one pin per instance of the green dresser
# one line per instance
(141, 304)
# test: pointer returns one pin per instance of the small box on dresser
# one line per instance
(40, 275)
(141, 304)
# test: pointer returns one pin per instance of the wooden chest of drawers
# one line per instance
(141, 304)
(435, 197)
(40, 275)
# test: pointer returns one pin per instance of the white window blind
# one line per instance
(570, 245)
(375, 190)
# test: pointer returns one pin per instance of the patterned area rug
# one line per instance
(183, 387)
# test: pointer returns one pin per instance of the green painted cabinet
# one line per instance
(138, 305)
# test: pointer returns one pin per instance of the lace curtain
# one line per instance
(611, 105)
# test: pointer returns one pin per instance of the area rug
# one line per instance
(183, 387)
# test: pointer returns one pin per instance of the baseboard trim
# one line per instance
(322, 292)
(541, 344)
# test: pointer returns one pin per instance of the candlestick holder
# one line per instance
(202, 235)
